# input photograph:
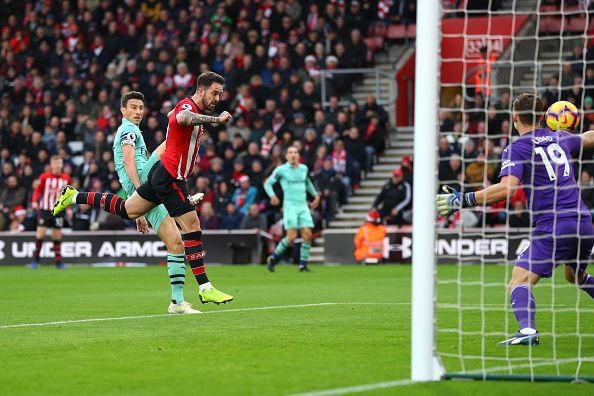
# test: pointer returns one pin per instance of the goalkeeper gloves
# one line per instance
(453, 200)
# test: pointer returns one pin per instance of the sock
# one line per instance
(280, 249)
(204, 286)
(524, 306)
(38, 244)
(588, 285)
(105, 201)
(177, 276)
(304, 254)
(195, 255)
(58, 251)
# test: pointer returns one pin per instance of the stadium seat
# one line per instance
(374, 44)
(411, 31)
(396, 32)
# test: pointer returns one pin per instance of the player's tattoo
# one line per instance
(187, 117)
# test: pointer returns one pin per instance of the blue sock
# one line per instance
(177, 276)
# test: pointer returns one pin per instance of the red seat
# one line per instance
(396, 31)
(411, 31)
(374, 44)
(550, 24)
(575, 24)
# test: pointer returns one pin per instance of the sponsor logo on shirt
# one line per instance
(507, 164)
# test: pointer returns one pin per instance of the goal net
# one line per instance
(491, 51)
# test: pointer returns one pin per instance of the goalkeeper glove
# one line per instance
(453, 200)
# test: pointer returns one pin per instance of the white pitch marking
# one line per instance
(203, 313)
(357, 388)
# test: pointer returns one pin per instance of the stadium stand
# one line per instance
(64, 66)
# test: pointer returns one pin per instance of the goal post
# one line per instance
(461, 265)
(424, 364)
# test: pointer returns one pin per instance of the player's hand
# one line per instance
(316, 201)
(224, 117)
(453, 200)
(274, 200)
(142, 225)
(34, 205)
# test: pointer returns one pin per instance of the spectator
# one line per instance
(231, 219)
(244, 195)
(394, 202)
(11, 196)
(254, 220)
(207, 217)
(519, 217)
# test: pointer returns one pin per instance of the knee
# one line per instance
(570, 276)
(291, 239)
(306, 235)
(174, 245)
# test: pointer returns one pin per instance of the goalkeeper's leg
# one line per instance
(583, 280)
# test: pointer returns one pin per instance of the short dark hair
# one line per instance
(529, 108)
(131, 95)
(205, 80)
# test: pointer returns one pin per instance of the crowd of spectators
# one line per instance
(65, 64)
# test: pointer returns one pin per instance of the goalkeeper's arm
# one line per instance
(454, 200)
(588, 140)
(503, 190)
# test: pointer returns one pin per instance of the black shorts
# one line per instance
(46, 219)
(161, 187)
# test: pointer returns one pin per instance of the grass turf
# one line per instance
(363, 340)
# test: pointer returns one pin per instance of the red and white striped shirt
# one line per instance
(48, 189)
(182, 142)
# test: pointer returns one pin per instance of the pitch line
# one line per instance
(357, 388)
(61, 322)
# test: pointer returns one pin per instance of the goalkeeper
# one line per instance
(562, 233)
(133, 165)
(296, 184)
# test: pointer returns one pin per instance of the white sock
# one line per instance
(74, 197)
(204, 286)
(528, 331)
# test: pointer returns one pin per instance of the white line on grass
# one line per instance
(203, 313)
(357, 388)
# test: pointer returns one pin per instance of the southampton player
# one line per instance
(44, 196)
(166, 180)
(296, 212)
(563, 232)
(133, 164)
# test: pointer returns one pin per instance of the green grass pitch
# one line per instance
(337, 327)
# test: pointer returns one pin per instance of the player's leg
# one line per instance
(57, 241)
(39, 235)
(291, 225)
(282, 247)
(129, 209)
(581, 279)
(524, 306)
(167, 231)
(306, 224)
(194, 251)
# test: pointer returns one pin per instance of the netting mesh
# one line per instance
(490, 55)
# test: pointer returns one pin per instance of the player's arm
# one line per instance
(588, 140)
(130, 163)
(187, 117)
(37, 192)
(311, 189)
(454, 200)
(271, 181)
